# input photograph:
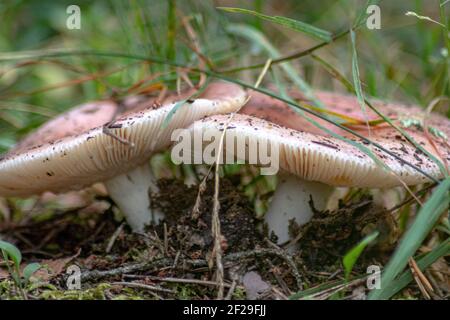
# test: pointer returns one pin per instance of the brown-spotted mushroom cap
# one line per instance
(319, 160)
(436, 142)
(91, 115)
(117, 157)
(276, 111)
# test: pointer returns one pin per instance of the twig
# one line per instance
(140, 286)
(113, 238)
(106, 129)
(92, 275)
(422, 282)
(176, 280)
(278, 277)
(215, 228)
(290, 262)
(136, 267)
(231, 290)
(201, 189)
(434, 284)
(195, 47)
(175, 261)
(143, 286)
(279, 294)
(334, 274)
(166, 240)
(215, 223)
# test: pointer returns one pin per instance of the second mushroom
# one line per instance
(312, 162)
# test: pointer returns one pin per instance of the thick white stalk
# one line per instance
(291, 201)
(388, 197)
(130, 191)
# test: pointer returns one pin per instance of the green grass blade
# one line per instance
(259, 39)
(171, 29)
(286, 22)
(426, 219)
(309, 293)
(446, 39)
(29, 270)
(424, 262)
(180, 104)
(402, 281)
(172, 111)
(350, 258)
(356, 76)
(12, 251)
(348, 85)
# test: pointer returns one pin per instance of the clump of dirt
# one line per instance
(193, 232)
(331, 234)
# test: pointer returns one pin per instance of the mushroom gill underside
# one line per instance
(311, 166)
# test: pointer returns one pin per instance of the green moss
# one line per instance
(95, 293)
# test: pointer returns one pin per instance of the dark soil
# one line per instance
(181, 247)
(238, 225)
(331, 234)
(63, 234)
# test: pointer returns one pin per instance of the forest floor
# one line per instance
(175, 260)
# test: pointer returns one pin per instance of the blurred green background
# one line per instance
(405, 60)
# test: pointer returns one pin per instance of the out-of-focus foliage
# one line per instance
(403, 60)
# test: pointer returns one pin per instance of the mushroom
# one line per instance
(276, 111)
(312, 162)
(75, 150)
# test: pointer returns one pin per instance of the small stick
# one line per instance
(215, 223)
(113, 238)
(157, 296)
(201, 189)
(166, 240)
(106, 129)
(325, 294)
(231, 290)
(290, 262)
(167, 262)
(278, 293)
(176, 280)
(422, 282)
(279, 279)
(175, 261)
(142, 286)
(434, 284)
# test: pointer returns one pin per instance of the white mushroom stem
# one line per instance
(291, 201)
(130, 191)
(388, 197)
